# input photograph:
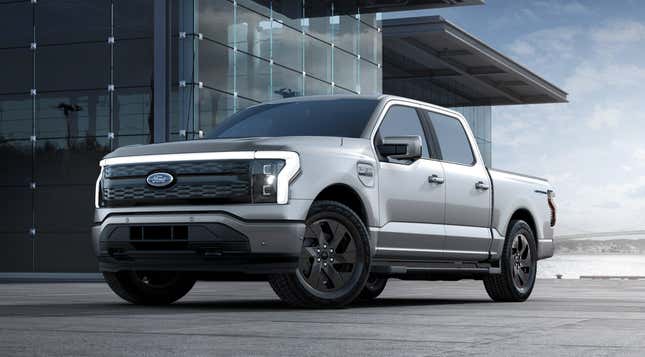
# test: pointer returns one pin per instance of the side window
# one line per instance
(401, 121)
(453, 142)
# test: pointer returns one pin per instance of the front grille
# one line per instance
(195, 182)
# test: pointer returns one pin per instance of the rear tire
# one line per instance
(373, 288)
(149, 288)
(519, 265)
(334, 262)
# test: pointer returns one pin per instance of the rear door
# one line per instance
(411, 207)
(468, 189)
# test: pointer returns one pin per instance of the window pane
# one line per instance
(452, 139)
(16, 117)
(370, 43)
(133, 18)
(15, 211)
(134, 63)
(16, 157)
(69, 161)
(318, 27)
(77, 66)
(287, 46)
(16, 72)
(54, 250)
(286, 83)
(369, 78)
(66, 21)
(216, 65)
(76, 217)
(253, 33)
(341, 117)
(17, 17)
(72, 114)
(402, 121)
(214, 107)
(133, 111)
(345, 69)
(19, 257)
(316, 87)
(253, 77)
(125, 140)
(216, 20)
(344, 29)
(317, 58)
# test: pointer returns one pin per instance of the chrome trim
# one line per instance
(288, 173)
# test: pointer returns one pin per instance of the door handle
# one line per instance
(481, 186)
(436, 179)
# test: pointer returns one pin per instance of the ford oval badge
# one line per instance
(160, 179)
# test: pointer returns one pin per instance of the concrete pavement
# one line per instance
(563, 317)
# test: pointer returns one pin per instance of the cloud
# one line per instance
(619, 32)
(604, 117)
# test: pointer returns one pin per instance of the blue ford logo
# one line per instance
(160, 179)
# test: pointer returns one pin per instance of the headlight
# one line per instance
(265, 180)
(97, 191)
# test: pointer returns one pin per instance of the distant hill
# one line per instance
(590, 246)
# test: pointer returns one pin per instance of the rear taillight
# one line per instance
(550, 199)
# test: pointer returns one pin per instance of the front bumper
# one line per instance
(217, 241)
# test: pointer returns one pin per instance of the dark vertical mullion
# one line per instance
(33, 142)
(161, 70)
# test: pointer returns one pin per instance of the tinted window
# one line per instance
(452, 138)
(403, 121)
(340, 117)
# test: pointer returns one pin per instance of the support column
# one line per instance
(161, 78)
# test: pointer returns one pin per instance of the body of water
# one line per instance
(572, 266)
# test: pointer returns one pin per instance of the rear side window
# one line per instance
(402, 121)
(453, 142)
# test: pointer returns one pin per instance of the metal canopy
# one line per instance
(294, 9)
(430, 59)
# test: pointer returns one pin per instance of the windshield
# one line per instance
(339, 117)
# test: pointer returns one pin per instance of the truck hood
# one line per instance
(290, 143)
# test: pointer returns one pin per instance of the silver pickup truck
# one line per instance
(324, 197)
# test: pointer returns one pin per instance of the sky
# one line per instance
(593, 148)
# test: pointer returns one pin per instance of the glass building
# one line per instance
(79, 78)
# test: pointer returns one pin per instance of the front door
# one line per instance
(411, 207)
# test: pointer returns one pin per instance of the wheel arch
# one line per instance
(526, 216)
(345, 194)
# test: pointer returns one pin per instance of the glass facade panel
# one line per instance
(216, 66)
(133, 111)
(318, 58)
(345, 66)
(344, 31)
(19, 257)
(253, 33)
(16, 70)
(370, 43)
(72, 66)
(316, 87)
(286, 83)
(133, 18)
(16, 18)
(67, 21)
(71, 161)
(17, 217)
(253, 77)
(214, 107)
(369, 78)
(133, 63)
(77, 216)
(16, 157)
(72, 114)
(216, 21)
(287, 46)
(16, 117)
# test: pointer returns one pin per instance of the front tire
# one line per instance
(519, 266)
(149, 288)
(334, 263)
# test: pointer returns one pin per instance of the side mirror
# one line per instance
(401, 147)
